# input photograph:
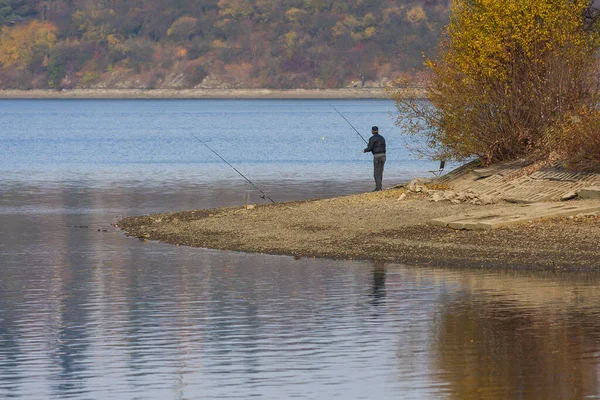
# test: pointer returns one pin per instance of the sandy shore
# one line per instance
(343, 93)
(383, 226)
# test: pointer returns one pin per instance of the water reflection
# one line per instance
(89, 314)
(378, 292)
(533, 340)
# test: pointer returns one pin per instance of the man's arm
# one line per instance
(370, 145)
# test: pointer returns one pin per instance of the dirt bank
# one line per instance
(342, 93)
(379, 226)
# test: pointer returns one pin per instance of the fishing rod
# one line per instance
(263, 195)
(342, 115)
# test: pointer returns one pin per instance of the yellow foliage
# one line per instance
(181, 52)
(113, 40)
(416, 15)
(88, 78)
(295, 15)
(370, 20)
(290, 38)
(290, 42)
(388, 13)
(79, 18)
(357, 36)
(183, 28)
(234, 8)
(485, 34)
(219, 44)
(369, 32)
(20, 44)
(506, 73)
(346, 25)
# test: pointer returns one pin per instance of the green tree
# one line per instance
(12, 11)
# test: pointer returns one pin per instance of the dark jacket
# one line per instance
(376, 144)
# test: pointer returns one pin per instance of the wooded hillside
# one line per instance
(214, 43)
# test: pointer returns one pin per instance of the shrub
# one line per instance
(182, 29)
(88, 78)
(15, 78)
(506, 75)
(577, 140)
(155, 78)
(196, 47)
(140, 53)
(66, 58)
(194, 73)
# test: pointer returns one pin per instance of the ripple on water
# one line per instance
(95, 315)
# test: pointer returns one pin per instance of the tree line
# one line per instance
(233, 43)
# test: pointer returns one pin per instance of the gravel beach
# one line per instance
(391, 225)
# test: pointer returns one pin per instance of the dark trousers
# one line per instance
(378, 163)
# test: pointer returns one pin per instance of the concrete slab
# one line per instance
(484, 173)
(512, 182)
(486, 220)
(592, 192)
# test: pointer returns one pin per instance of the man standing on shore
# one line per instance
(377, 147)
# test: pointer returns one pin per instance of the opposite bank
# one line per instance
(342, 93)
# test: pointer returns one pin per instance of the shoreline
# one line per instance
(388, 226)
(515, 215)
(300, 94)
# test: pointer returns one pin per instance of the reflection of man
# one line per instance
(378, 282)
(376, 146)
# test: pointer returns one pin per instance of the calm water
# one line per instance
(86, 313)
(151, 141)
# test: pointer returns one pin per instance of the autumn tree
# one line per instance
(255, 43)
(507, 74)
(183, 28)
(23, 45)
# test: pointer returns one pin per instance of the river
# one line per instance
(87, 313)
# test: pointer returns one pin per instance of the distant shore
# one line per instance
(332, 94)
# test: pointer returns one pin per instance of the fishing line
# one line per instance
(342, 115)
(263, 195)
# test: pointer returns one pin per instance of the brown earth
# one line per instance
(380, 226)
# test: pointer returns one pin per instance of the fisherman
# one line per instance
(376, 146)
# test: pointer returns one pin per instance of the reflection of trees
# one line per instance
(10, 351)
(72, 308)
(487, 349)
